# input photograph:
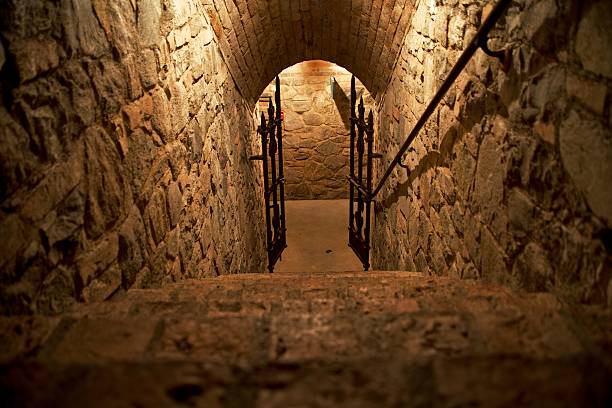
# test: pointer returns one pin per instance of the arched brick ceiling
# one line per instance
(260, 38)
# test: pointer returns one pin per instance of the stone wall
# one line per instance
(123, 155)
(510, 180)
(316, 138)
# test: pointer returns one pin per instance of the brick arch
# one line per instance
(260, 38)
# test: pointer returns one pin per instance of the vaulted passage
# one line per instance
(137, 225)
(261, 38)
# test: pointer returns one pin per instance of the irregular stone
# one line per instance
(179, 103)
(139, 160)
(313, 119)
(328, 148)
(82, 29)
(104, 286)
(58, 292)
(14, 238)
(17, 163)
(60, 181)
(592, 38)
(317, 172)
(546, 131)
(293, 122)
(132, 247)
(110, 83)
(520, 210)
(301, 104)
(161, 119)
(155, 217)
(35, 57)
(60, 231)
(493, 259)
(107, 191)
(489, 188)
(591, 94)
(586, 152)
(532, 269)
(149, 13)
(335, 163)
(119, 21)
(133, 116)
(98, 259)
(147, 66)
(175, 203)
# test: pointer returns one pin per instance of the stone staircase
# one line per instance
(319, 339)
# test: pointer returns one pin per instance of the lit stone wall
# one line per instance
(316, 138)
(510, 180)
(124, 146)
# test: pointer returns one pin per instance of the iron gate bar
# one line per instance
(362, 132)
(274, 188)
(281, 170)
(478, 42)
(352, 159)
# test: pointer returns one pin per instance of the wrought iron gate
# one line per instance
(362, 133)
(271, 132)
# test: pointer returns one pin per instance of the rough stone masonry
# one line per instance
(316, 139)
(126, 128)
(124, 146)
(510, 179)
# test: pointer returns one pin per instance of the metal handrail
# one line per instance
(479, 41)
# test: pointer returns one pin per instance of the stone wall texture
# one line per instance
(123, 153)
(510, 179)
(126, 128)
(316, 135)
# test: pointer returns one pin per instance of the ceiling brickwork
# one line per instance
(259, 38)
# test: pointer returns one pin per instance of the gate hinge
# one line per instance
(256, 157)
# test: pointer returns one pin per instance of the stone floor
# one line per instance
(317, 238)
(311, 340)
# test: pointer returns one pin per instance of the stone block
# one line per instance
(131, 247)
(82, 29)
(586, 152)
(593, 37)
(15, 237)
(488, 186)
(60, 181)
(591, 94)
(104, 286)
(532, 270)
(57, 293)
(149, 14)
(175, 203)
(313, 119)
(493, 259)
(293, 122)
(328, 148)
(107, 191)
(34, 57)
(95, 261)
(521, 210)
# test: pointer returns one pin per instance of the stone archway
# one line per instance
(261, 38)
(316, 129)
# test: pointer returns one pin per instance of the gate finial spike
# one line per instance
(271, 111)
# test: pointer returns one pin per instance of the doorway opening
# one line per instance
(316, 115)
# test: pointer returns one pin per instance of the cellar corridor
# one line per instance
(137, 227)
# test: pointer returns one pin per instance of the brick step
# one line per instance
(248, 326)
